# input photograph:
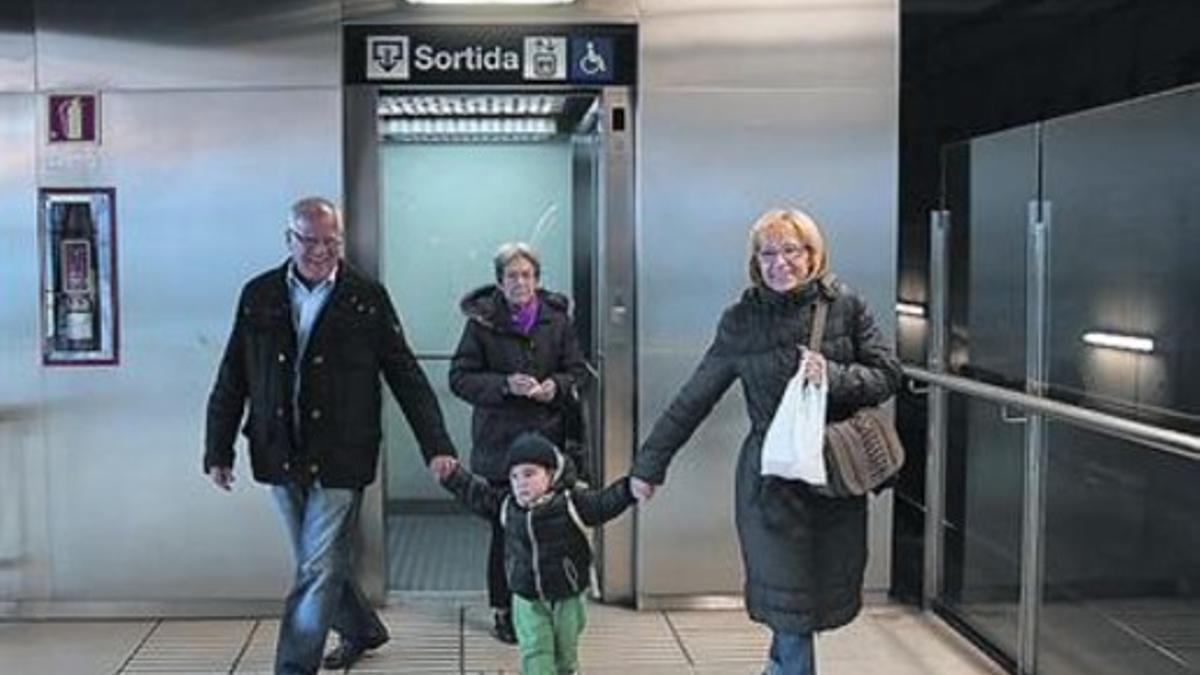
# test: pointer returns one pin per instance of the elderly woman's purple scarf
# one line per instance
(525, 316)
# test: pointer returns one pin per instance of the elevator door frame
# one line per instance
(613, 301)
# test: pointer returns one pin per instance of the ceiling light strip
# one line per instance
(1131, 343)
(450, 126)
(444, 106)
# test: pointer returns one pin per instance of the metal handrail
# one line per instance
(1174, 442)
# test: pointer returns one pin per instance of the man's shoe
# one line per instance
(348, 653)
(503, 628)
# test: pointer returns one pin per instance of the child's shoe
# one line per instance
(502, 630)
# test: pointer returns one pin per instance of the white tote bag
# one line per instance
(794, 446)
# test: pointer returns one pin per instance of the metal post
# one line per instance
(618, 336)
(1033, 511)
(935, 433)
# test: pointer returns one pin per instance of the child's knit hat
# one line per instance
(532, 448)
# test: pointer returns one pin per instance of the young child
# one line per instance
(547, 558)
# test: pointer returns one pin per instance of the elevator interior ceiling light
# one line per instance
(435, 105)
(1130, 343)
(467, 129)
(910, 309)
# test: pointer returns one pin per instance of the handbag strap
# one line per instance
(820, 311)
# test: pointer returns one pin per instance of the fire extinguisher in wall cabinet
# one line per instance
(77, 303)
(78, 276)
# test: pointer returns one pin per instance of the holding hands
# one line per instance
(520, 384)
(642, 491)
(442, 466)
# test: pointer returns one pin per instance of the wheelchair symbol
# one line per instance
(592, 63)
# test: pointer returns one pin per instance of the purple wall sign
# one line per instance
(73, 117)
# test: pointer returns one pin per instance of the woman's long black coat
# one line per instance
(804, 554)
(490, 350)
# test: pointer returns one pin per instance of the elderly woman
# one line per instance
(518, 363)
(803, 553)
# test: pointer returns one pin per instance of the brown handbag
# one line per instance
(863, 451)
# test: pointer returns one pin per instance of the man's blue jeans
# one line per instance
(322, 523)
(791, 654)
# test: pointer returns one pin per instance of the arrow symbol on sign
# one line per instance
(387, 54)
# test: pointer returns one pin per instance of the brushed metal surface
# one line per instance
(769, 45)
(24, 549)
(203, 184)
(201, 44)
(1152, 437)
(361, 175)
(580, 11)
(710, 162)
(618, 301)
(933, 556)
(16, 46)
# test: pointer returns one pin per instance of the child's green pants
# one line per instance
(548, 634)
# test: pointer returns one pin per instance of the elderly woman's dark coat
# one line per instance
(490, 350)
(804, 554)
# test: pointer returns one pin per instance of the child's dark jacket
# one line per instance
(546, 551)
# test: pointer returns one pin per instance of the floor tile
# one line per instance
(448, 636)
(721, 640)
(191, 646)
(68, 647)
(617, 638)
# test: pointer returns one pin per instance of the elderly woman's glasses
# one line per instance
(312, 243)
(790, 252)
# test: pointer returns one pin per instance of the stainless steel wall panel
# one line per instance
(711, 160)
(24, 548)
(16, 45)
(203, 183)
(148, 44)
(830, 152)
(776, 44)
(388, 11)
(617, 298)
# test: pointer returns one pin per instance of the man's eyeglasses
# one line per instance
(311, 243)
(791, 252)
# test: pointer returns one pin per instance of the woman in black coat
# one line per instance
(804, 554)
(519, 365)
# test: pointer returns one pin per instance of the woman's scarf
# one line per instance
(525, 316)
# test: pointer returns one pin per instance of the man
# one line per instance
(308, 344)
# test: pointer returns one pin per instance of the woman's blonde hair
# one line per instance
(789, 223)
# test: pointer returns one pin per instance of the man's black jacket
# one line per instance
(356, 337)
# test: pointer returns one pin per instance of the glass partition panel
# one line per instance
(1122, 565)
(1125, 231)
(982, 533)
(989, 184)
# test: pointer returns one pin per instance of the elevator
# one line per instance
(459, 139)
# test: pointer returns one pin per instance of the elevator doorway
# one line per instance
(456, 174)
